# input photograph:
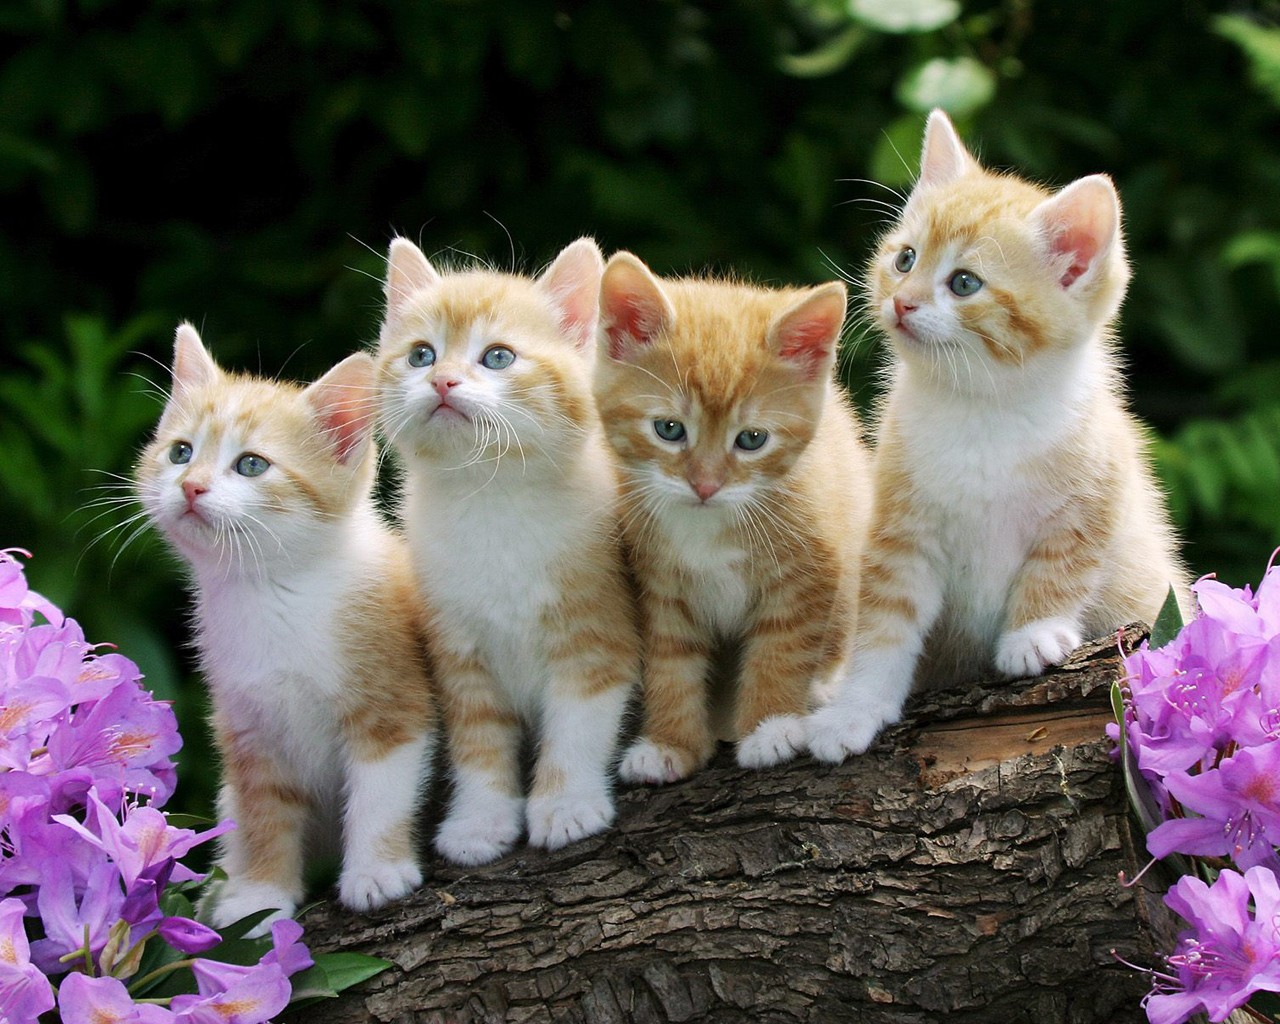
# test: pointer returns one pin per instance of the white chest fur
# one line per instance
(721, 594)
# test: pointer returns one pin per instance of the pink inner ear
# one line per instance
(1082, 246)
(808, 335)
(346, 428)
(578, 314)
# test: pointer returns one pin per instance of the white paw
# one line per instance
(370, 885)
(1030, 649)
(837, 731)
(652, 764)
(479, 835)
(775, 740)
(237, 898)
(556, 821)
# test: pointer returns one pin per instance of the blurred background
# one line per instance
(244, 164)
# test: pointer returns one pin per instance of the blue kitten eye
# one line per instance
(499, 357)
(180, 453)
(251, 465)
(669, 430)
(905, 260)
(964, 283)
(751, 440)
(422, 354)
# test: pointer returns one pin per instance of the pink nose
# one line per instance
(444, 385)
(192, 490)
(704, 488)
(902, 308)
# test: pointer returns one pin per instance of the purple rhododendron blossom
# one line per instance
(81, 998)
(1228, 954)
(25, 992)
(188, 936)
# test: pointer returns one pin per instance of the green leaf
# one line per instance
(899, 16)
(1168, 622)
(333, 973)
(1260, 43)
(828, 58)
(959, 85)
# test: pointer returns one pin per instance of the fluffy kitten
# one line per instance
(746, 491)
(1016, 512)
(509, 507)
(308, 626)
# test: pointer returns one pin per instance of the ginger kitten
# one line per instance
(1016, 512)
(745, 493)
(307, 623)
(510, 510)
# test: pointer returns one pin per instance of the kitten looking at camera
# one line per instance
(1016, 513)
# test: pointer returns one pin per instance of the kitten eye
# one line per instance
(499, 357)
(180, 453)
(669, 430)
(422, 354)
(905, 260)
(964, 283)
(751, 440)
(251, 465)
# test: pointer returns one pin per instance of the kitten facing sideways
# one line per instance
(746, 491)
(510, 511)
(308, 626)
(1016, 512)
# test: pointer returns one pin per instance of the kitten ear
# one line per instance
(193, 367)
(1081, 225)
(573, 282)
(408, 271)
(343, 401)
(944, 158)
(633, 308)
(807, 333)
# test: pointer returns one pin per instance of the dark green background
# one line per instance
(244, 164)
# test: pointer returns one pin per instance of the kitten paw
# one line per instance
(1030, 649)
(479, 835)
(654, 763)
(556, 821)
(836, 732)
(372, 885)
(775, 740)
(237, 898)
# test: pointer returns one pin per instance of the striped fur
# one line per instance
(759, 548)
(308, 626)
(510, 509)
(1016, 510)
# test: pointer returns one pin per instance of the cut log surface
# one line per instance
(964, 869)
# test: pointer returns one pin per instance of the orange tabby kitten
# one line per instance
(307, 626)
(510, 509)
(745, 489)
(1016, 512)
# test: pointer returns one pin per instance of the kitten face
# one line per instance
(709, 391)
(984, 273)
(477, 364)
(242, 471)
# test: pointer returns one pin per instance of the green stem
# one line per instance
(159, 972)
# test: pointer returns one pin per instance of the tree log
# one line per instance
(964, 868)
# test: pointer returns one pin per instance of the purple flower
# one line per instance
(230, 994)
(17, 601)
(81, 998)
(188, 936)
(70, 912)
(1239, 804)
(25, 992)
(1227, 955)
(286, 950)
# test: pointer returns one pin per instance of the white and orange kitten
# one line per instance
(746, 494)
(510, 510)
(1016, 513)
(308, 626)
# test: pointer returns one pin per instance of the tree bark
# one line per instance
(963, 869)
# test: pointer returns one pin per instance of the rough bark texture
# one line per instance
(964, 869)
